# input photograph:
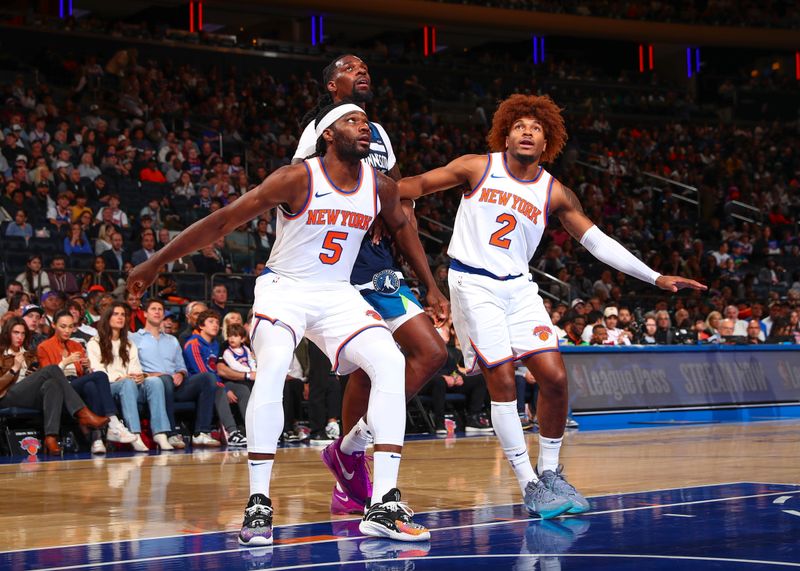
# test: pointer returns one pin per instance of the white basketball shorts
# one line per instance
(498, 321)
(328, 314)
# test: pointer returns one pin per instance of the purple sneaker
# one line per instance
(342, 504)
(351, 473)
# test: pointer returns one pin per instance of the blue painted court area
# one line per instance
(726, 526)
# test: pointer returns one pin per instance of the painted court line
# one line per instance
(792, 512)
(539, 555)
(781, 500)
(680, 515)
(485, 524)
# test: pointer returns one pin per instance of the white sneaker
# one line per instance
(176, 441)
(98, 447)
(138, 445)
(204, 439)
(332, 430)
(119, 433)
(162, 441)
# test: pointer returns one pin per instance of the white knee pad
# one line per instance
(374, 351)
(274, 348)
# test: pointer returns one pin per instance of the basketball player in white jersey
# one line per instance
(325, 207)
(377, 277)
(497, 313)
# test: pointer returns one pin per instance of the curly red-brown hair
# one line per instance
(540, 107)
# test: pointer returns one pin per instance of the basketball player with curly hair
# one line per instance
(497, 312)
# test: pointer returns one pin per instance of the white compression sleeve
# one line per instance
(607, 250)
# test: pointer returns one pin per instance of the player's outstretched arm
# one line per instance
(463, 170)
(567, 207)
(282, 186)
(407, 240)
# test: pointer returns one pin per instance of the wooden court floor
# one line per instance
(66, 502)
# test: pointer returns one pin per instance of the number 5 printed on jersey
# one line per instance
(498, 238)
(334, 248)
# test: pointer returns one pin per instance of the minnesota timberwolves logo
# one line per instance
(385, 281)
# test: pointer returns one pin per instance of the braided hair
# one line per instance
(325, 99)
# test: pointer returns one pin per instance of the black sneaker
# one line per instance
(477, 423)
(294, 436)
(440, 428)
(257, 526)
(320, 437)
(237, 440)
(392, 518)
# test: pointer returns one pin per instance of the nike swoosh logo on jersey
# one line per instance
(496, 176)
(318, 195)
(347, 475)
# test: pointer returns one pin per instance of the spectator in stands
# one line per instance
(211, 260)
(47, 389)
(70, 357)
(60, 216)
(20, 227)
(665, 334)
(616, 336)
(573, 329)
(111, 352)
(77, 242)
(103, 233)
(599, 335)
(740, 325)
(219, 300)
(200, 354)
(160, 355)
(754, 332)
(725, 333)
(33, 279)
(87, 168)
(184, 186)
(81, 207)
(98, 277)
(780, 332)
(775, 312)
(32, 314)
(238, 355)
(170, 325)
(117, 216)
(231, 318)
(52, 302)
(261, 241)
(61, 280)
(151, 172)
(136, 318)
(648, 333)
(593, 318)
(116, 257)
(192, 311)
(148, 248)
(83, 332)
(12, 288)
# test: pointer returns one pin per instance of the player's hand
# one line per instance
(141, 277)
(440, 306)
(675, 283)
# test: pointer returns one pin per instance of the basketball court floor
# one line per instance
(716, 496)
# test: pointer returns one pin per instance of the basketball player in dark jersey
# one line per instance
(377, 277)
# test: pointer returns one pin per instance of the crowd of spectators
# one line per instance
(771, 14)
(100, 172)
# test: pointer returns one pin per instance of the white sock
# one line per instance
(260, 474)
(386, 468)
(508, 428)
(549, 449)
(357, 439)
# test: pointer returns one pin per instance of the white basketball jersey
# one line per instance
(500, 222)
(320, 243)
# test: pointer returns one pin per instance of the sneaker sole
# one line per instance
(351, 511)
(478, 430)
(552, 513)
(256, 541)
(578, 509)
(377, 530)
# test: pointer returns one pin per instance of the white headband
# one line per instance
(334, 115)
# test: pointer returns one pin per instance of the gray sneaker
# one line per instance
(540, 500)
(556, 482)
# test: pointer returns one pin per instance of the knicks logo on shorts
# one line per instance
(374, 314)
(542, 332)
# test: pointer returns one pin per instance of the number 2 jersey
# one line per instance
(500, 222)
(320, 243)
